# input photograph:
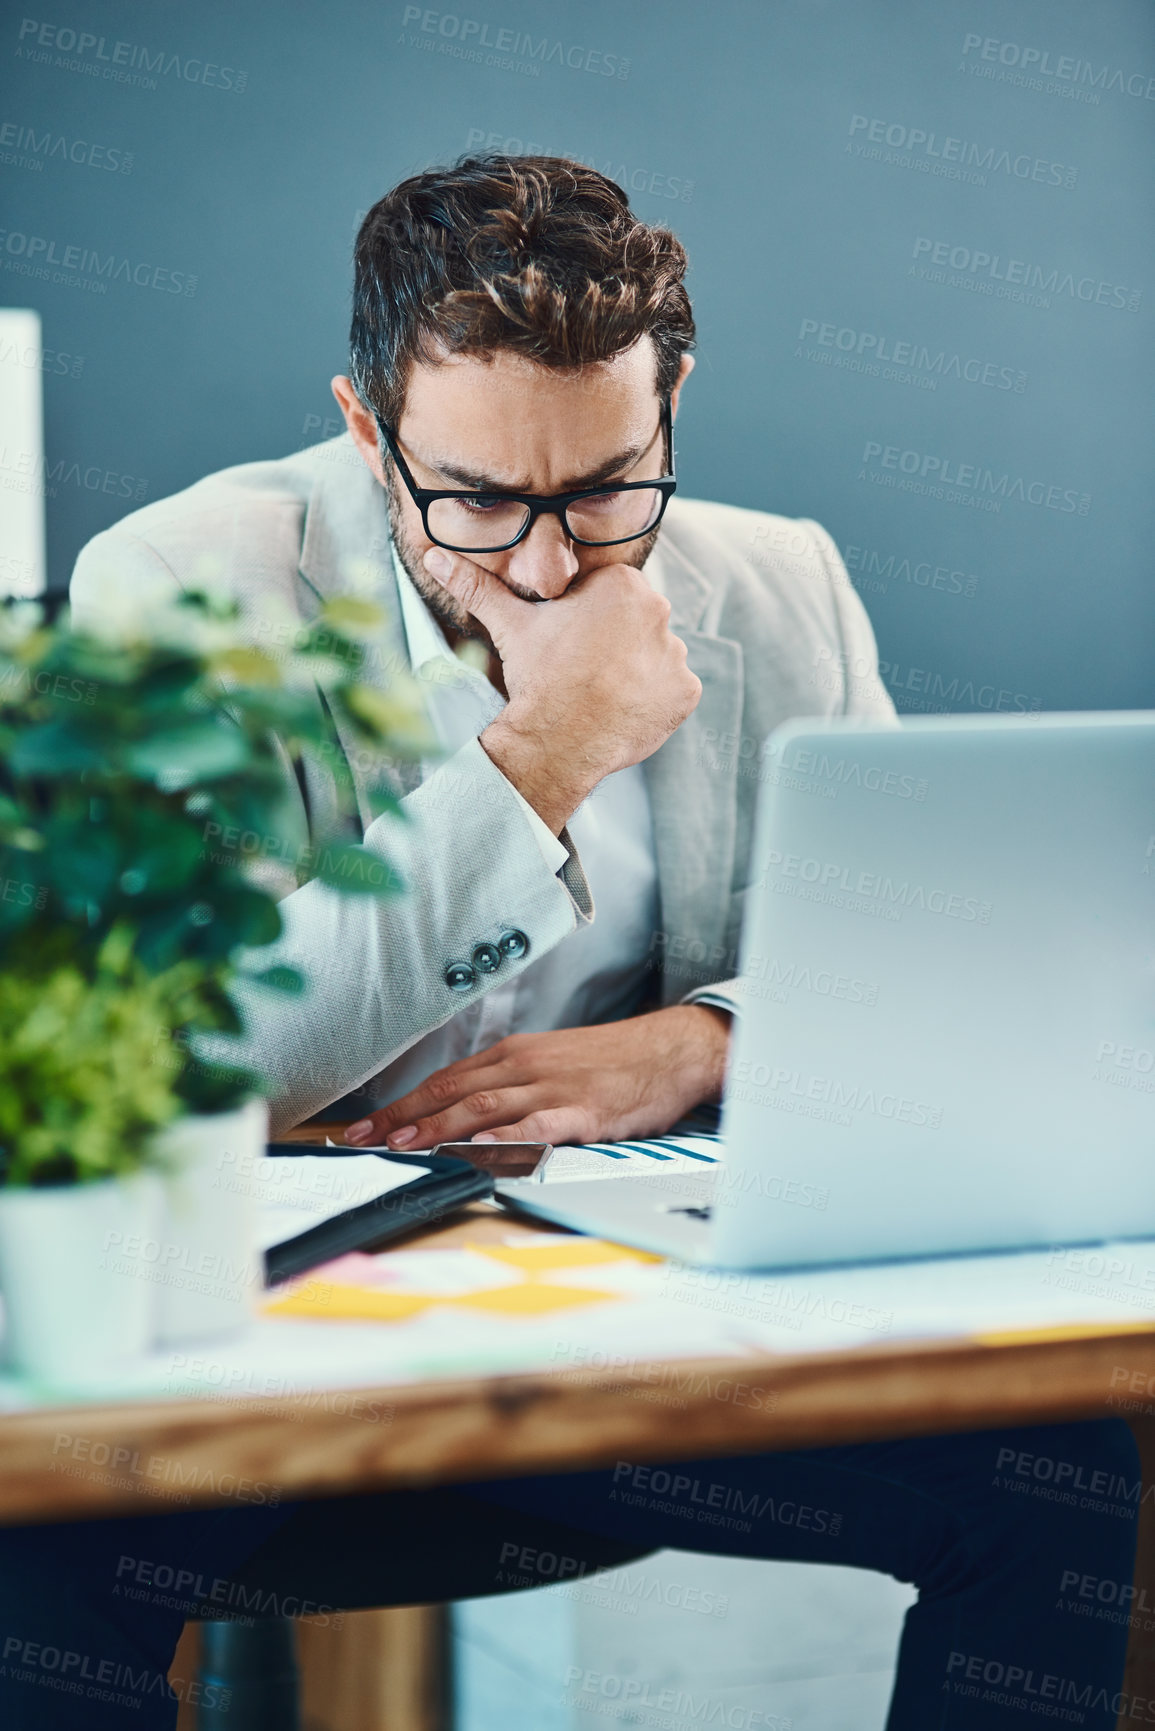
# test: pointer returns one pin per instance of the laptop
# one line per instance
(947, 1039)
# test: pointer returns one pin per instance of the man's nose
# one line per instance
(546, 562)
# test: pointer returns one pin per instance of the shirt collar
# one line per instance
(424, 638)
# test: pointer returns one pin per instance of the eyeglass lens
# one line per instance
(482, 522)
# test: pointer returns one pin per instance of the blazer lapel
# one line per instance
(345, 550)
(691, 779)
(693, 792)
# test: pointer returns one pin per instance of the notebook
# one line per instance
(314, 1206)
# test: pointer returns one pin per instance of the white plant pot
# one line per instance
(208, 1271)
(77, 1302)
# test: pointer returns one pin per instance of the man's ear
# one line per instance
(362, 427)
(685, 368)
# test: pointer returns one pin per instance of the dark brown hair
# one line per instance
(533, 253)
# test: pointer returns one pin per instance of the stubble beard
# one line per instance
(448, 612)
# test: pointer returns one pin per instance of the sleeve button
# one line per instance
(459, 976)
(486, 958)
(513, 944)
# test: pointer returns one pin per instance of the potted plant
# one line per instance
(80, 1100)
(128, 758)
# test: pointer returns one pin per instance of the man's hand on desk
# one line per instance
(631, 1078)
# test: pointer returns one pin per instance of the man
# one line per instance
(616, 777)
(562, 965)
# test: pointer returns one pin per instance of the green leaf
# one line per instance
(165, 856)
(249, 915)
(355, 870)
(389, 719)
(280, 979)
(55, 749)
(163, 684)
(84, 860)
(212, 1087)
(81, 1088)
(246, 665)
(350, 613)
(382, 800)
(282, 708)
(178, 757)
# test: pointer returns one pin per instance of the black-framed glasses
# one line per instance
(464, 521)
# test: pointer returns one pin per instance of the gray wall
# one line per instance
(969, 180)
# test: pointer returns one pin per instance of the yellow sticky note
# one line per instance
(320, 1301)
(562, 1253)
(1059, 1331)
(534, 1298)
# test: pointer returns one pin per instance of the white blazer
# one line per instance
(773, 629)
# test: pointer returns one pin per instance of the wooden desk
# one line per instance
(469, 1428)
(540, 1421)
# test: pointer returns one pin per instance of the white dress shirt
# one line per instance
(599, 973)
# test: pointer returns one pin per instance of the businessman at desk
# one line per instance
(561, 968)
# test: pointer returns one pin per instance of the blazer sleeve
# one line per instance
(853, 652)
(851, 662)
(473, 867)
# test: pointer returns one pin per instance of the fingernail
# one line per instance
(437, 563)
(400, 1137)
(483, 1136)
(360, 1132)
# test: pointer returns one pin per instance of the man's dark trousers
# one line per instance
(1018, 1541)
